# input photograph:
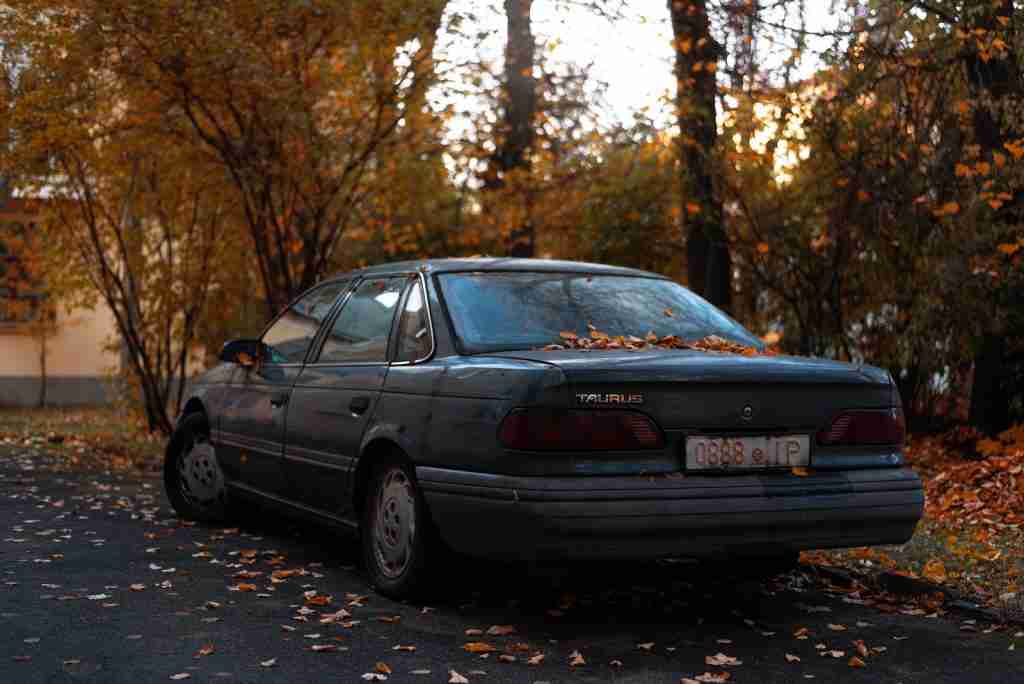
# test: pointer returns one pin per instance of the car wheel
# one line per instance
(396, 532)
(193, 479)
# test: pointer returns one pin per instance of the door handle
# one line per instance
(359, 405)
(278, 400)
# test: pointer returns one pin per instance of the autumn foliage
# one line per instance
(851, 192)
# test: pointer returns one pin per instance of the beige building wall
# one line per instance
(77, 348)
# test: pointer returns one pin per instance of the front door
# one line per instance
(253, 421)
(335, 396)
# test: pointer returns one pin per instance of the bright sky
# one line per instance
(632, 56)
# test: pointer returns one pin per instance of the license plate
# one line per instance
(747, 453)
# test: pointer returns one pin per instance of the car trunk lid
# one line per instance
(719, 392)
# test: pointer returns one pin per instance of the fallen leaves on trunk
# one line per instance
(598, 340)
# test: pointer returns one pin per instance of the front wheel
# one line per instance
(396, 532)
(193, 479)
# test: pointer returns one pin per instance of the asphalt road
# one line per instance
(99, 582)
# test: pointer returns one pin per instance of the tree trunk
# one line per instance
(42, 367)
(708, 259)
(996, 78)
(990, 405)
(520, 110)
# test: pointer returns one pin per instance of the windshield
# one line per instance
(523, 310)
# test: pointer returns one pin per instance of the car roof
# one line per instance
(496, 264)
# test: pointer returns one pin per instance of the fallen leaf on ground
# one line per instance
(501, 630)
(268, 663)
(790, 658)
(181, 675)
(720, 659)
(205, 650)
(479, 647)
(323, 647)
(713, 677)
(646, 646)
(535, 659)
(576, 659)
(837, 628)
(382, 668)
(856, 662)
(408, 649)
(455, 678)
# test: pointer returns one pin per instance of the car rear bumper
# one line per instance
(698, 516)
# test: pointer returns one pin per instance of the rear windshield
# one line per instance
(506, 311)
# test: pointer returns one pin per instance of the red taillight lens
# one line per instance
(866, 427)
(541, 429)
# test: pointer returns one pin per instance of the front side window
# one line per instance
(360, 332)
(288, 339)
(527, 310)
(414, 341)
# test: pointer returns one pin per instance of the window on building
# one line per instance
(21, 291)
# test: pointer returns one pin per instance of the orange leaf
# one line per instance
(763, 248)
(479, 647)
(935, 571)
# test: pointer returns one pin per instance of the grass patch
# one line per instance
(103, 438)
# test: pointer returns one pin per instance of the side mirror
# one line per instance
(246, 353)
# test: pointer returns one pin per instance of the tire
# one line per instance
(193, 479)
(397, 536)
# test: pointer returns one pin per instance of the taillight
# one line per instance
(866, 427)
(544, 429)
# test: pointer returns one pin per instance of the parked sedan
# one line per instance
(448, 404)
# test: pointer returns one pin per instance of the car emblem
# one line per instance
(748, 412)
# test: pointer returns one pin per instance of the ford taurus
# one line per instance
(522, 409)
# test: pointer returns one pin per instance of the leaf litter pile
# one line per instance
(972, 536)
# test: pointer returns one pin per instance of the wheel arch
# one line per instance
(377, 450)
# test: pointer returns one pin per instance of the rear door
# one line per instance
(253, 420)
(336, 394)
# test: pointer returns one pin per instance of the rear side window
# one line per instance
(288, 339)
(414, 341)
(361, 330)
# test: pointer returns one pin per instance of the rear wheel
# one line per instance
(193, 479)
(397, 537)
